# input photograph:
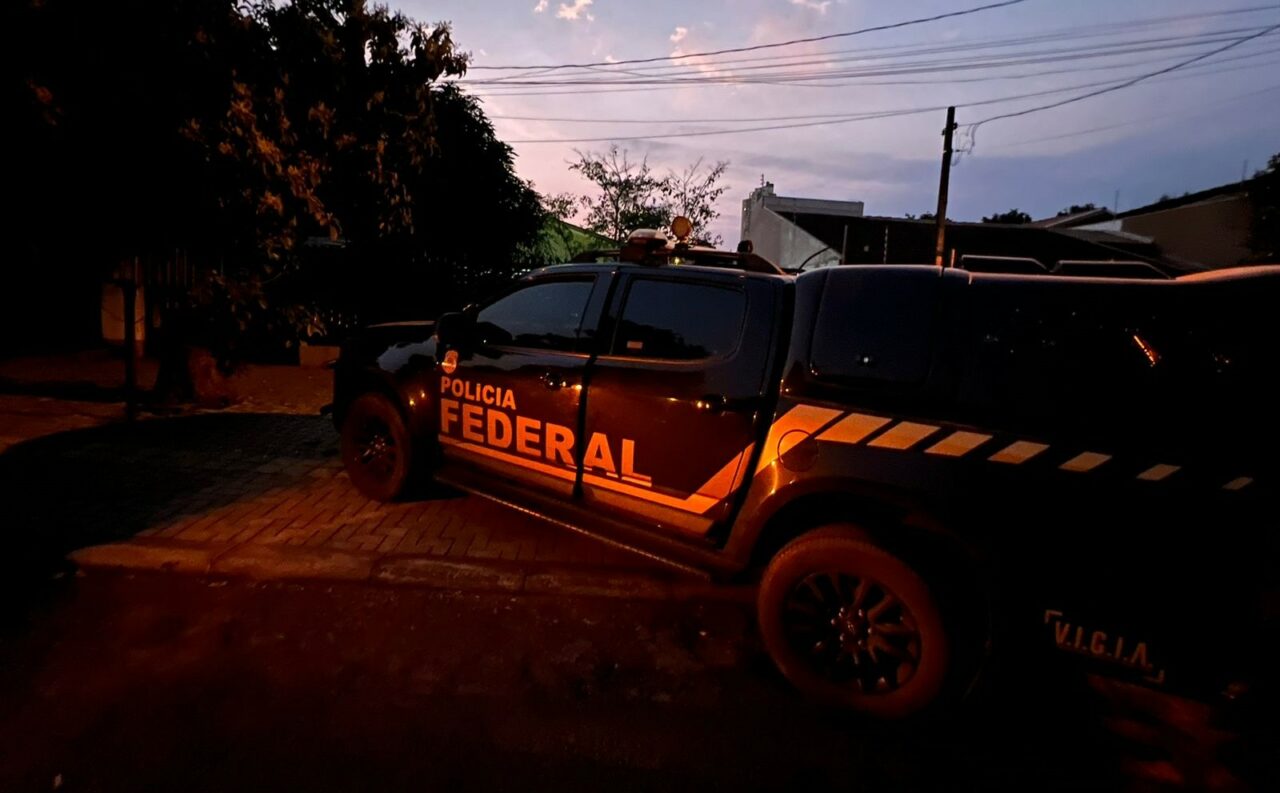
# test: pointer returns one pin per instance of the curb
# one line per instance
(291, 563)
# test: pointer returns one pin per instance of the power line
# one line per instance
(823, 78)
(749, 119)
(1143, 120)
(1193, 72)
(825, 119)
(1067, 33)
(1058, 34)
(973, 128)
(706, 132)
(757, 47)
(845, 119)
(1021, 75)
(837, 79)
(981, 61)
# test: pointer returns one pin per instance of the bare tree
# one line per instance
(631, 196)
(694, 192)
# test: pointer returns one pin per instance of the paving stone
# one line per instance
(270, 485)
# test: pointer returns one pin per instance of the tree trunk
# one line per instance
(191, 374)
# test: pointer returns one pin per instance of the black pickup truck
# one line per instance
(920, 466)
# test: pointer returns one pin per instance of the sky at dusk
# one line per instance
(1184, 131)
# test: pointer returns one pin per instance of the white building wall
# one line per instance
(781, 241)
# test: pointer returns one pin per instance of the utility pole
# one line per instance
(944, 183)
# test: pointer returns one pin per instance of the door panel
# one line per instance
(510, 404)
(673, 399)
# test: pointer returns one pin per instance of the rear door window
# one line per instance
(679, 321)
(875, 325)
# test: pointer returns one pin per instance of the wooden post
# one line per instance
(129, 291)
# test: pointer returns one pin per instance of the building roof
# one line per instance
(1220, 192)
(1119, 239)
(1095, 215)
(899, 240)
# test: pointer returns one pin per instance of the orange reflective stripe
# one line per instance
(793, 427)
(903, 435)
(722, 484)
(1085, 461)
(853, 428)
(958, 443)
(1157, 472)
(524, 462)
(1018, 452)
(715, 490)
(694, 503)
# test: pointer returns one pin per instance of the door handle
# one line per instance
(712, 403)
(718, 403)
(552, 381)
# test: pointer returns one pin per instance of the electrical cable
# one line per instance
(773, 45)
(985, 60)
(973, 128)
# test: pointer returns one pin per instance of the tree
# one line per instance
(694, 192)
(559, 241)
(244, 130)
(1012, 216)
(342, 119)
(1264, 195)
(1074, 208)
(922, 216)
(631, 196)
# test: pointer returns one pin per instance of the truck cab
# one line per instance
(916, 463)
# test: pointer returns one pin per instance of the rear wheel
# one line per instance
(377, 449)
(849, 623)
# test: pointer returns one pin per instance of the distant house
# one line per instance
(795, 232)
(1209, 228)
(773, 224)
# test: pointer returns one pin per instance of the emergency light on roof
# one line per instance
(647, 237)
(682, 228)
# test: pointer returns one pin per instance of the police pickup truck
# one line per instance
(920, 466)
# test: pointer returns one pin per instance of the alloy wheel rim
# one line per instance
(376, 449)
(853, 630)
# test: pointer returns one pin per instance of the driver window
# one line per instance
(542, 316)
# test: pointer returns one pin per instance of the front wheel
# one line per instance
(377, 449)
(850, 624)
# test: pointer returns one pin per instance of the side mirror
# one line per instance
(453, 330)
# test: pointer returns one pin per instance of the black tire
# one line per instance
(850, 624)
(377, 449)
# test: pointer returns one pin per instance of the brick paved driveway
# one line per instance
(231, 487)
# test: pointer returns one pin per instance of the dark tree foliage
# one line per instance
(1012, 216)
(1074, 208)
(97, 94)
(248, 132)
